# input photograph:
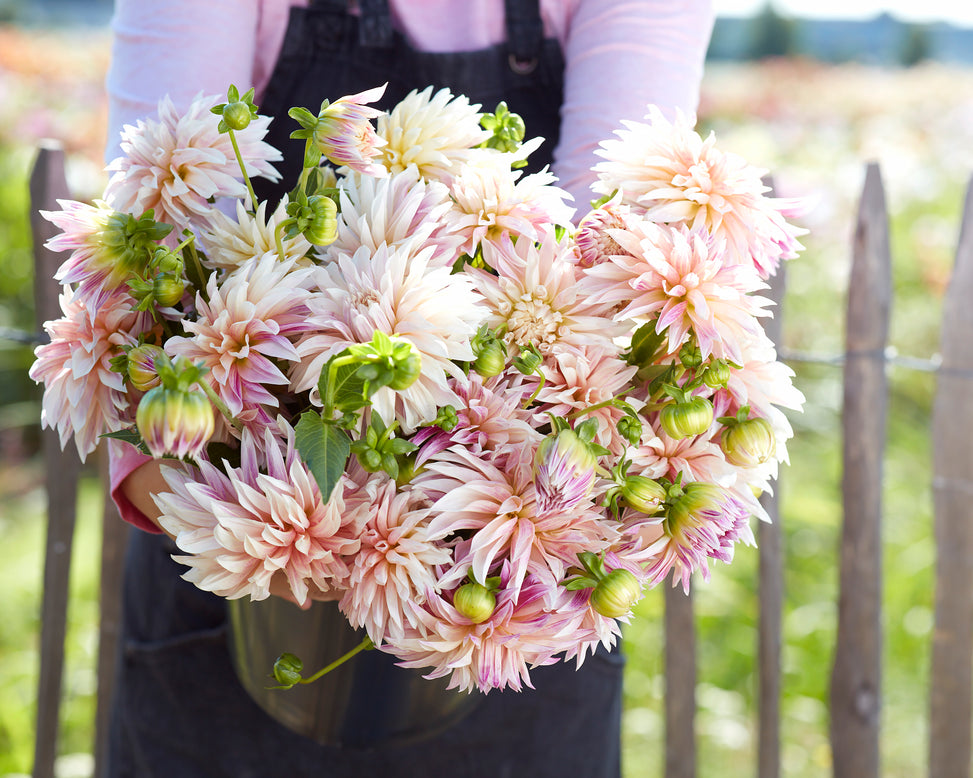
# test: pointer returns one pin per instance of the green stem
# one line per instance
(365, 645)
(537, 391)
(220, 405)
(243, 169)
(190, 246)
(278, 239)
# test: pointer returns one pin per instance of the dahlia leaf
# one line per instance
(325, 450)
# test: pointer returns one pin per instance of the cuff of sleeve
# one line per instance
(123, 458)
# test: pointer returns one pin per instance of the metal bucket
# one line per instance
(366, 702)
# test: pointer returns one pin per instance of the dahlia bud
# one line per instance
(686, 419)
(716, 374)
(168, 289)
(643, 494)
(616, 593)
(407, 365)
(491, 359)
(287, 670)
(564, 468)
(690, 355)
(141, 367)
(315, 217)
(175, 422)
(237, 115)
(475, 601)
(749, 443)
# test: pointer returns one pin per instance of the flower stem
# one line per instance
(243, 169)
(365, 645)
(220, 405)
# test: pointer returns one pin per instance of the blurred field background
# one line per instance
(814, 126)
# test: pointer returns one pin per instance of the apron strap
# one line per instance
(525, 33)
(375, 24)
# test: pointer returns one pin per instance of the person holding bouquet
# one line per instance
(572, 69)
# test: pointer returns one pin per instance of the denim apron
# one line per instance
(179, 710)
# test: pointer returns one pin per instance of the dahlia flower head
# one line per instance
(666, 171)
(176, 163)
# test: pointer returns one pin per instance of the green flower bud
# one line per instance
(491, 359)
(407, 365)
(287, 670)
(690, 355)
(168, 290)
(749, 443)
(237, 115)
(141, 366)
(475, 601)
(643, 494)
(616, 593)
(683, 420)
(175, 422)
(716, 375)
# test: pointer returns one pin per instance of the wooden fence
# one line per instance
(856, 678)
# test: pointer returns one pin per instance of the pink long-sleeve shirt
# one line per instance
(620, 56)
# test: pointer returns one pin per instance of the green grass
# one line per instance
(22, 538)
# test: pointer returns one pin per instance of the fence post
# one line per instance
(680, 703)
(47, 185)
(771, 591)
(856, 676)
(949, 730)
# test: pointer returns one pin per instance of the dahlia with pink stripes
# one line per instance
(669, 173)
(245, 328)
(83, 397)
(178, 162)
(240, 527)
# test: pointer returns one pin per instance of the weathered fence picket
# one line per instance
(856, 679)
(952, 642)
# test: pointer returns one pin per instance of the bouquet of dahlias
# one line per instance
(415, 384)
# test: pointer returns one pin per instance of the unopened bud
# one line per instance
(643, 494)
(616, 593)
(141, 366)
(475, 601)
(237, 115)
(749, 443)
(175, 422)
(491, 360)
(684, 420)
(287, 670)
(168, 290)
(716, 375)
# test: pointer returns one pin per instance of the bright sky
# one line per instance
(959, 12)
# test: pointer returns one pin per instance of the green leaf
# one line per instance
(645, 342)
(128, 435)
(324, 449)
(349, 390)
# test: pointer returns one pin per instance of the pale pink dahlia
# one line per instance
(241, 526)
(434, 132)
(666, 169)
(396, 210)
(488, 419)
(701, 525)
(678, 279)
(396, 565)
(578, 379)
(535, 297)
(100, 260)
(344, 132)
(508, 523)
(175, 164)
(593, 236)
(245, 327)
(83, 396)
(697, 458)
(400, 294)
(491, 200)
(523, 632)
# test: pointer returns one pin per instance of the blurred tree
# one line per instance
(772, 35)
(916, 46)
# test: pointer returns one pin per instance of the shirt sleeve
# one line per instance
(177, 47)
(123, 458)
(620, 57)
